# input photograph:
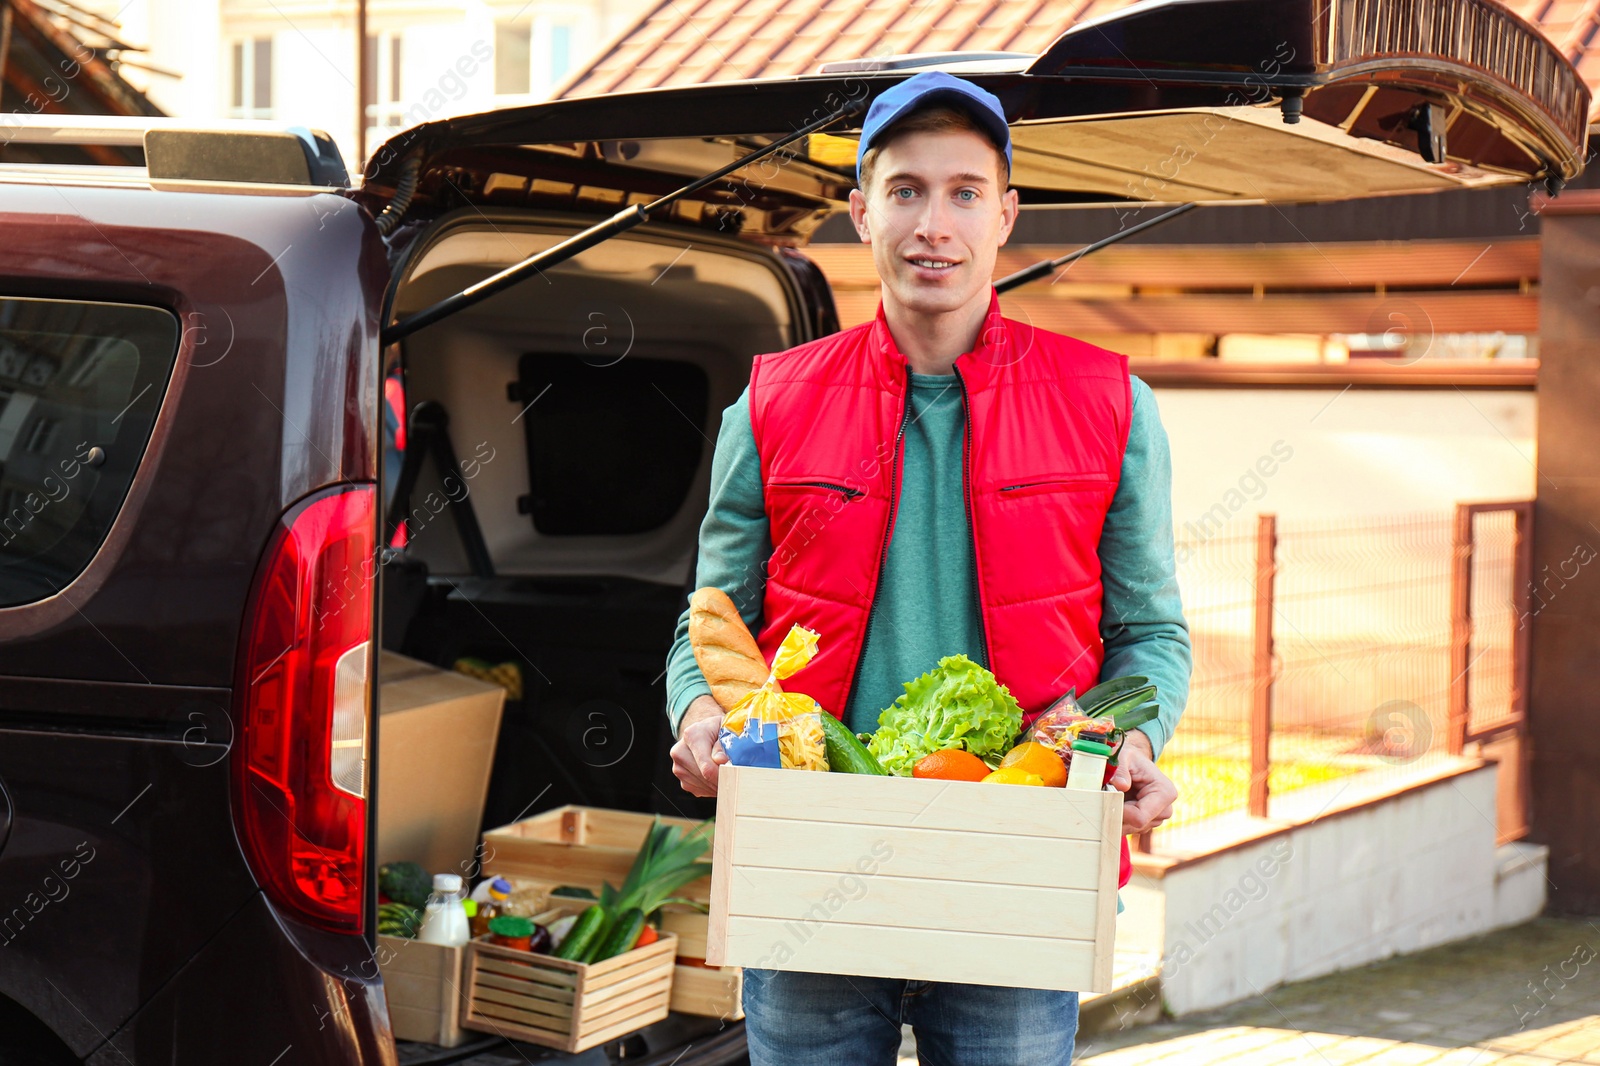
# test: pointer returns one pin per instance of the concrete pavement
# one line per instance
(1525, 996)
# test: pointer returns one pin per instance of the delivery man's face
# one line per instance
(935, 214)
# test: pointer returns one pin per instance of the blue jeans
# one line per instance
(812, 1019)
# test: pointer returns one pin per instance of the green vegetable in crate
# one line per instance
(405, 882)
(846, 754)
(398, 919)
(560, 928)
(570, 892)
(668, 860)
(958, 704)
(620, 937)
(590, 926)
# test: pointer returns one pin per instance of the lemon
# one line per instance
(1013, 775)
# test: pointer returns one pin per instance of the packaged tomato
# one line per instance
(1059, 725)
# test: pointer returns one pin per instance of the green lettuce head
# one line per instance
(958, 704)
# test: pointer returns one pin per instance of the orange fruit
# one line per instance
(1012, 775)
(952, 764)
(1032, 757)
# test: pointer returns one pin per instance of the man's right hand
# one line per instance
(698, 752)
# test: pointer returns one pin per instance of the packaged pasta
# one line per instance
(773, 728)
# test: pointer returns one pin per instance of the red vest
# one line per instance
(1047, 423)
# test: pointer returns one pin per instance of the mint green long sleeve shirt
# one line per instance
(926, 606)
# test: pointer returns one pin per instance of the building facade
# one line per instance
(295, 60)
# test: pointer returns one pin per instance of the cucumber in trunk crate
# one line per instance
(620, 937)
(585, 934)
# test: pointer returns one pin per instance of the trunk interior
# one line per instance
(581, 408)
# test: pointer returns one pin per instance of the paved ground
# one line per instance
(1528, 996)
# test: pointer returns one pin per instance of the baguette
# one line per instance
(727, 653)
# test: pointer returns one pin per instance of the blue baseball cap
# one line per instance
(934, 86)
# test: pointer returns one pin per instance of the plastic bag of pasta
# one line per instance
(773, 728)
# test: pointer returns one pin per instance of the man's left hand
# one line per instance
(1149, 792)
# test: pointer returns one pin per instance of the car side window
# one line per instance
(80, 385)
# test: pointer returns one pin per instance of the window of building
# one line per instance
(251, 95)
(560, 52)
(512, 54)
(385, 107)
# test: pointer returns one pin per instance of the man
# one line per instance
(939, 480)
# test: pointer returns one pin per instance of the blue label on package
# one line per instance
(757, 745)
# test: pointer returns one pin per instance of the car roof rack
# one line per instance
(178, 150)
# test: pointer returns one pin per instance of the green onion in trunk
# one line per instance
(669, 859)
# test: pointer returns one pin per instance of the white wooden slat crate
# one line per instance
(927, 880)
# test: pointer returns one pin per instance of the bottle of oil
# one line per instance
(491, 897)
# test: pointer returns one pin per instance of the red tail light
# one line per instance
(304, 688)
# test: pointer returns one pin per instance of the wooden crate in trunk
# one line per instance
(586, 846)
(689, 926)
(714, 992)
(919, 879)
(422, 983)
(581, 846)
(570, 1006)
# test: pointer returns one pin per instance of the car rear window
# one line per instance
(80, 385)
(613, 448)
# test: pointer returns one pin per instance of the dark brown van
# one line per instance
(206, 529)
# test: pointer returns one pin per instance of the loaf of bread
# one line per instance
(727, 653)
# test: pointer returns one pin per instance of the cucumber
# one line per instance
(846, 754)
(620, 937)
(584, 931)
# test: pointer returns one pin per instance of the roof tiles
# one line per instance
(685, 42)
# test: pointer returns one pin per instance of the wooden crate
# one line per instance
(569, 1006)
(689, 926)
(580, 846)
(711, 992)
(917, 879)
(422, 983)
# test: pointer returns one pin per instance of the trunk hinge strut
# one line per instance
(620, 222)
(1039, 270)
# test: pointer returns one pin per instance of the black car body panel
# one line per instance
(275, 293)
(120, 863)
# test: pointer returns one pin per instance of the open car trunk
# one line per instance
(581, 415)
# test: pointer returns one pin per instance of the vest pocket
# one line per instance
(1034, 488)
(846, 491)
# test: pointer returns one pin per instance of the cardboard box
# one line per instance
(917, 879)
(436, 739)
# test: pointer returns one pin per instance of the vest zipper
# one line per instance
(848, 492)
(972, 526)
(883, 549)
